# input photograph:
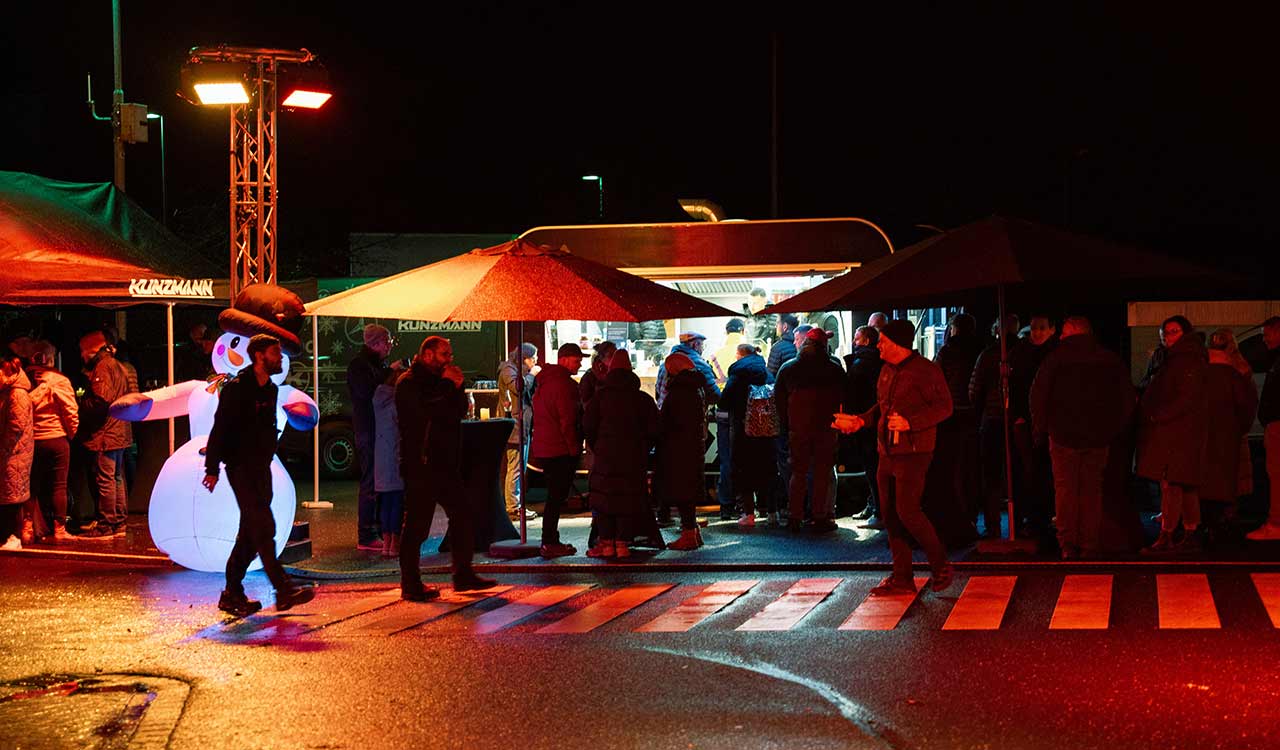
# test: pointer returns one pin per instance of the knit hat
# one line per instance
(266, 308)
(900, 332)
(817, 335)
(688, 337)
(621, 360)
(735, 325)
(677, 362)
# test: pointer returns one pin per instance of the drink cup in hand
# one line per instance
(454, 373)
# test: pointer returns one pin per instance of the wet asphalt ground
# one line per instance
(104, 655)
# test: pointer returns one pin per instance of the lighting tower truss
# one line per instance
(254, 159)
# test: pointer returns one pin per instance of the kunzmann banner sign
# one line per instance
(194, 288)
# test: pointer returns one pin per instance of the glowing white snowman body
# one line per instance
(194, 527)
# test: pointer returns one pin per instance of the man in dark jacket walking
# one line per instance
(912, 399)
(365, 373)
(103, 437)
(244, 438)
(1269, 416)
(430, 405)
(1081, 399)
(808, 391)
(863, 368)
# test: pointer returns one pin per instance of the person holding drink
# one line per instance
(912, 398)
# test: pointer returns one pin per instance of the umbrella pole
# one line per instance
(168, 329)
(315, 503)
(512, 548)
(1012, 543)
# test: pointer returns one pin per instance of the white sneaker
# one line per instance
(747, 521)
(1267, 532)
(12, 545)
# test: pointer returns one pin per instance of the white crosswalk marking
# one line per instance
(1083, 604)
(1268, 587)
(698, 608)
(882, 612)
(404, 615)
(1186, 602)
(492, 622)
(982, 605)
(784, 612)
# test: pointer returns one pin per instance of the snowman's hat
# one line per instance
(266, 308)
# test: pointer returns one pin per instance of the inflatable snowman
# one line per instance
(194, 527)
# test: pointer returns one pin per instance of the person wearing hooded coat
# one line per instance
(755, 466)
(1172, 423)
(679, 475)
(620, 425)
(17, 448)
(1231, 402)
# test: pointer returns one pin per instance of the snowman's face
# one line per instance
(230, 356)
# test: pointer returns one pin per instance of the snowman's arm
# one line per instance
(301, 410)
(162, 403)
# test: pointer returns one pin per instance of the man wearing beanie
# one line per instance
(912, 398)
(364, 374)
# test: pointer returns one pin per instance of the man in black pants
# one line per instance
(244, 437)
(430, 405)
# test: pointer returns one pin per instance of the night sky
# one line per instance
(1139, 126)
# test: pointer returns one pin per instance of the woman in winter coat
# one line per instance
(620, 425)
(17, 448)
(56, 418)
(1231, 402)
(679, 478)
(387, 482)
(755, 465)
(1172, 418)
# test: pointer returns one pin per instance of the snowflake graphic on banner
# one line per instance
(338, 347)
(328, 325)
(330, 403)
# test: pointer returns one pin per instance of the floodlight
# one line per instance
(305, 86)
(216, 82)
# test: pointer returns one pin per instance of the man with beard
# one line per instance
(430, 405)
(244, 437)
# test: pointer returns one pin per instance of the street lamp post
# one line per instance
(599, 180)
(164, 177)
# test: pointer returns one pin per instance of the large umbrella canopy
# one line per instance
(516, 280)
(64, 242)
(1036, 262)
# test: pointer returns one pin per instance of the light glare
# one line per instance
(307, 99)
(221, 93)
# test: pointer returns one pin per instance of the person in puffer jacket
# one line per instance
(809, 389)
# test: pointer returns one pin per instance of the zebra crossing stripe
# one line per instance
(982, 604)
(495, 620)
(323, 611)
(405, 615)
(784, 612)
(698, 607)
(1083, 604)
(882, 612)
(1186, 601)
(1268, 587)
(614, 605)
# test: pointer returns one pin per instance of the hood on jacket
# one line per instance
(678, 362)
(552, 371)
(749, 362)
(1189, 345)
(622, 379)
(17, 380)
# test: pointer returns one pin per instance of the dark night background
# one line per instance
(1136, 125)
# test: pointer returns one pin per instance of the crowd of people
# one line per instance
(929, 435)
(49, 427)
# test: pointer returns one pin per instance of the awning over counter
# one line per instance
(784, 247)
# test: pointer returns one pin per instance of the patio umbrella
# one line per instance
(517, 280)
(1037, 262)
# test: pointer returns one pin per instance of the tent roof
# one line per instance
(88, 243)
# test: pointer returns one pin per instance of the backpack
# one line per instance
(762, 413)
